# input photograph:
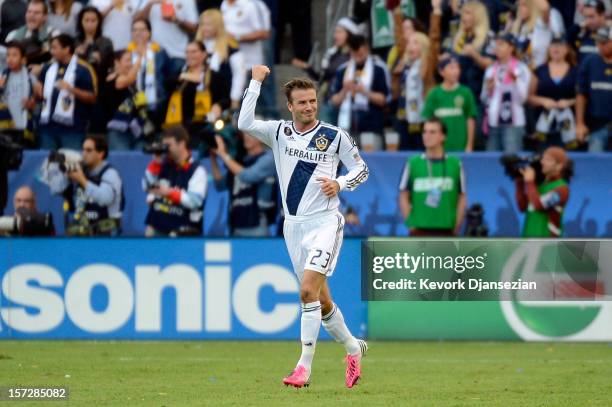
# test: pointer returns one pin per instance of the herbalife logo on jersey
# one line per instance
(312, 156)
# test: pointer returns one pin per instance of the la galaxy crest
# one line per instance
(321, 142)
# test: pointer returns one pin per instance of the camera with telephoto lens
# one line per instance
(66, 161)
(513, 164)
(11, 153)
(28, 223)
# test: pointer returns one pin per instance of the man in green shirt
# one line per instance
(455, 105)
(432, 188)
(544, 203)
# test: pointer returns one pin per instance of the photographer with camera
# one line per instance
(93, 187)
(177, 185)
(26, 221)
(544, 200)
(252, 185)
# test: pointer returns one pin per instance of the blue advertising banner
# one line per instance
(587, 213)
(161, 289)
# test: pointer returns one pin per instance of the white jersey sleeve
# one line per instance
(266, 131)
(357, 169)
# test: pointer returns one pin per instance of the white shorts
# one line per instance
(314, 244)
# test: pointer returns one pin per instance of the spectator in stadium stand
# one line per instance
(432, 195)
(13, 16)
(360, 90)
(117, 20)
(150, 85)
(593, 119)
(544, 202)
(200, 94)
(251, 182)
(16, 90)
(97, 50)
(91, 45)
(248, 24)
(416, 81)
(126, 121)
(334, 56)
(396, 64)
(504, 93)
(63, 15)
(455, 104)
(472, 44)
(176, 186)
(583, 36)
(553, 93)
(36, 27)
(173, 23)
(67, 87)
(579, 18)
(225, 57)
(418, 69)
(534, 26)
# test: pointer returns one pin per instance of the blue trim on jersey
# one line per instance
(297, 184)
(325, 132)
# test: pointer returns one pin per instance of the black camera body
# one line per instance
(474, 222)
(155, 148)
(514, 163)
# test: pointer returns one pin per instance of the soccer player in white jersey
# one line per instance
(307, 153)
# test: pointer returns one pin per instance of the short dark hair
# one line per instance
(41, 2)
(65, 40)
(18, 45)
(439, 122)
(598, 5)
(177, 132)
(357, 41)
(100, 143)
(298, 83)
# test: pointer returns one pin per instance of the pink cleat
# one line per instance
(298, 378)
(353, 365)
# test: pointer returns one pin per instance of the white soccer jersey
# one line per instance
(303, 157)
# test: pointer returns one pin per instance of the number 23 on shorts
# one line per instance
(318, 257)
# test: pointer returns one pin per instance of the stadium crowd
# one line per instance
(112, 75)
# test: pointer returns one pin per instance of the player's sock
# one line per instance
(311, 323)
(334, 324)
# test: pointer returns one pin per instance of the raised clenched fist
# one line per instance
(260, 72)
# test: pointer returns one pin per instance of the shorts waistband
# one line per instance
(308, 218)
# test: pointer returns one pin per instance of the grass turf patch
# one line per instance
(195, 373)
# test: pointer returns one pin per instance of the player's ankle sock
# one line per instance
(311, 323)
(334, 324)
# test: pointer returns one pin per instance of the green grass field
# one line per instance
(249, 373)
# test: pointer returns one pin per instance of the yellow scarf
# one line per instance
(203, 103)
